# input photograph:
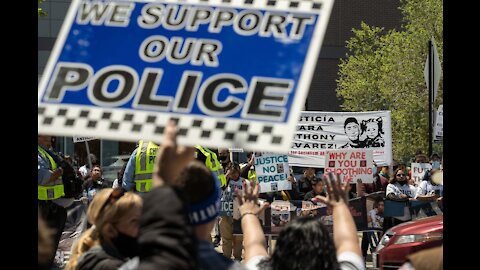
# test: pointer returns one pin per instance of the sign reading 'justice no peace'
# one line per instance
(231, 73)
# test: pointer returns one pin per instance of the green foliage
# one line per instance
(41, 13)
(384, 71)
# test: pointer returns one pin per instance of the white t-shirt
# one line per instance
(228, 195)
(398, 189)
(427, 188)
(406, 189)
(347, 261)
(83, 170)
(377, 220)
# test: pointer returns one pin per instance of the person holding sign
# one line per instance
(85, 169)
(229, 242)
(399, 191)
(428, 190)
(305, 243)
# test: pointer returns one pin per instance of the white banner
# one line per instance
(318, 132)
(438, 135)
(356, 163)
(272, 172)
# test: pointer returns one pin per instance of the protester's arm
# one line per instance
(344, 229)
(391, 194)
(253, 236)
(244, 170)
(128, 174)
(171, 158)
(166, 236)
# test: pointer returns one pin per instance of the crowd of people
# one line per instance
(168, 209)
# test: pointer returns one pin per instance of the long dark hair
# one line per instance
(304, 244)
(393, 178)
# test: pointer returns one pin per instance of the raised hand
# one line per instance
(337, 192)
(171, 158)
(247, 201)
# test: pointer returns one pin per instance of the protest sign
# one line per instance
(83, 139)
(230, 73)
(318, 132)
(356, 163)
(272, 172)
(280, 215)
(438, 132)
(419, 169)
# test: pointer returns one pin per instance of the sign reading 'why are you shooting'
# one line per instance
(231, 73)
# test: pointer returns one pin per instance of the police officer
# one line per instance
(138, 173)
(212, 163)
(247, 170)
(210, 159)
(50, 191)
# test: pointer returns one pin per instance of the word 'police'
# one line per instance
(266, 97)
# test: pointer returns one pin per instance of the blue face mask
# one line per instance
(436, 165)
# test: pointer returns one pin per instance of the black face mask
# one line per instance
(222, 158)
(126, 245)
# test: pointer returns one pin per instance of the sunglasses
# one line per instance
(401, 174)
(116, 194)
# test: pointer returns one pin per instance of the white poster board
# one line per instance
(419, 169)
(272, 172)
(83, 139)
(438, 134)
(356, 163)
(318, 132)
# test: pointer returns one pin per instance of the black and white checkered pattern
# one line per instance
(297, 5)
(128, 126)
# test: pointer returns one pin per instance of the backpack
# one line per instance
(71, 182)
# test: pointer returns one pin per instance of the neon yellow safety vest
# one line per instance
(213, 164)
(252, 175)
(50, 192)
(144, 164)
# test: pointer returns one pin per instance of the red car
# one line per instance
(407, 238)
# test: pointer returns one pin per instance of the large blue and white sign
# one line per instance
(232, 73)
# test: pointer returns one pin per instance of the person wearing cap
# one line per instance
(139, 169)
(50, 191)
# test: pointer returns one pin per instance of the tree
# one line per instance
(41, 13)
(384, 71)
